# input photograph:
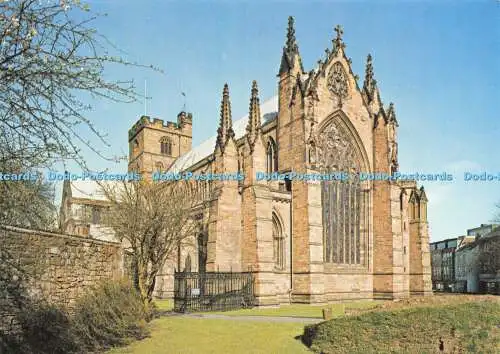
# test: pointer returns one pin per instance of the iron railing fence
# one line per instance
(213, 291)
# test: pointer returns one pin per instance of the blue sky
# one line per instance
(439, 62)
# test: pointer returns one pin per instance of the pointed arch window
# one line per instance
(278, 244)
(166, 146)
(202, 251)
(344, 202)
(187, 263)
(272, 157)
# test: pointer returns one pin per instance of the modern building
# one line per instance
(466, 269)
(443, 264)
(467, 263)
(482, 230)
(489, 262)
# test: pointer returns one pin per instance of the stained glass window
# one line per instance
(344, 202)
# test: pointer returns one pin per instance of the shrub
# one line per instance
(111, 315)
(40, 328)
(46, 328)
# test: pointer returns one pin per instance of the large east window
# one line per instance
(344, 201)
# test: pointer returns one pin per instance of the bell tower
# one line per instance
(154, 145)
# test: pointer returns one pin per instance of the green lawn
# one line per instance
(468, 324)
(174, 335)
(295, 310)
(299, 310)
(164, 305)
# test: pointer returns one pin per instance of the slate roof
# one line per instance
(268, 111)
(89, 189)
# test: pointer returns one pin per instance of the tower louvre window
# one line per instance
(166, 146)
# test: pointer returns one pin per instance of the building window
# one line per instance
(159, 166)
(135, 145)
(96, 216)
(272, 158)
(166, 146)
(187, 263)
(344, 202)
(288, 184)
(202, 252)
(343, 205)
(278, 244)
(86, 213)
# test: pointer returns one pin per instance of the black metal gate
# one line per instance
(213, 291)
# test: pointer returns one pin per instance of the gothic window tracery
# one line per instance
(344, 202)
(337, 81)
(272, 158)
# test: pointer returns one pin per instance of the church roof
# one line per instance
(90, 189)
(268, 110)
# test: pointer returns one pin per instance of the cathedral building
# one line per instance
(306, 241)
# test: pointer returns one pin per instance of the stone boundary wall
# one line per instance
(56, 267)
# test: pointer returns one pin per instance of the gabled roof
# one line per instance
(268, 111)
(90, 189)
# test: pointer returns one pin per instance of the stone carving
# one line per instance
(335, 149)
(393, 157)
(312, 152)
(337, 81)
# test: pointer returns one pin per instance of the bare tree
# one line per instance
(51, 61)
(489, 260)
(153, 220)
(28, 204)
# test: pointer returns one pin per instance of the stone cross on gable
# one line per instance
(339, 31)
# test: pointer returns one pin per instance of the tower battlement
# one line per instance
(154, 144)
(183, 125)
